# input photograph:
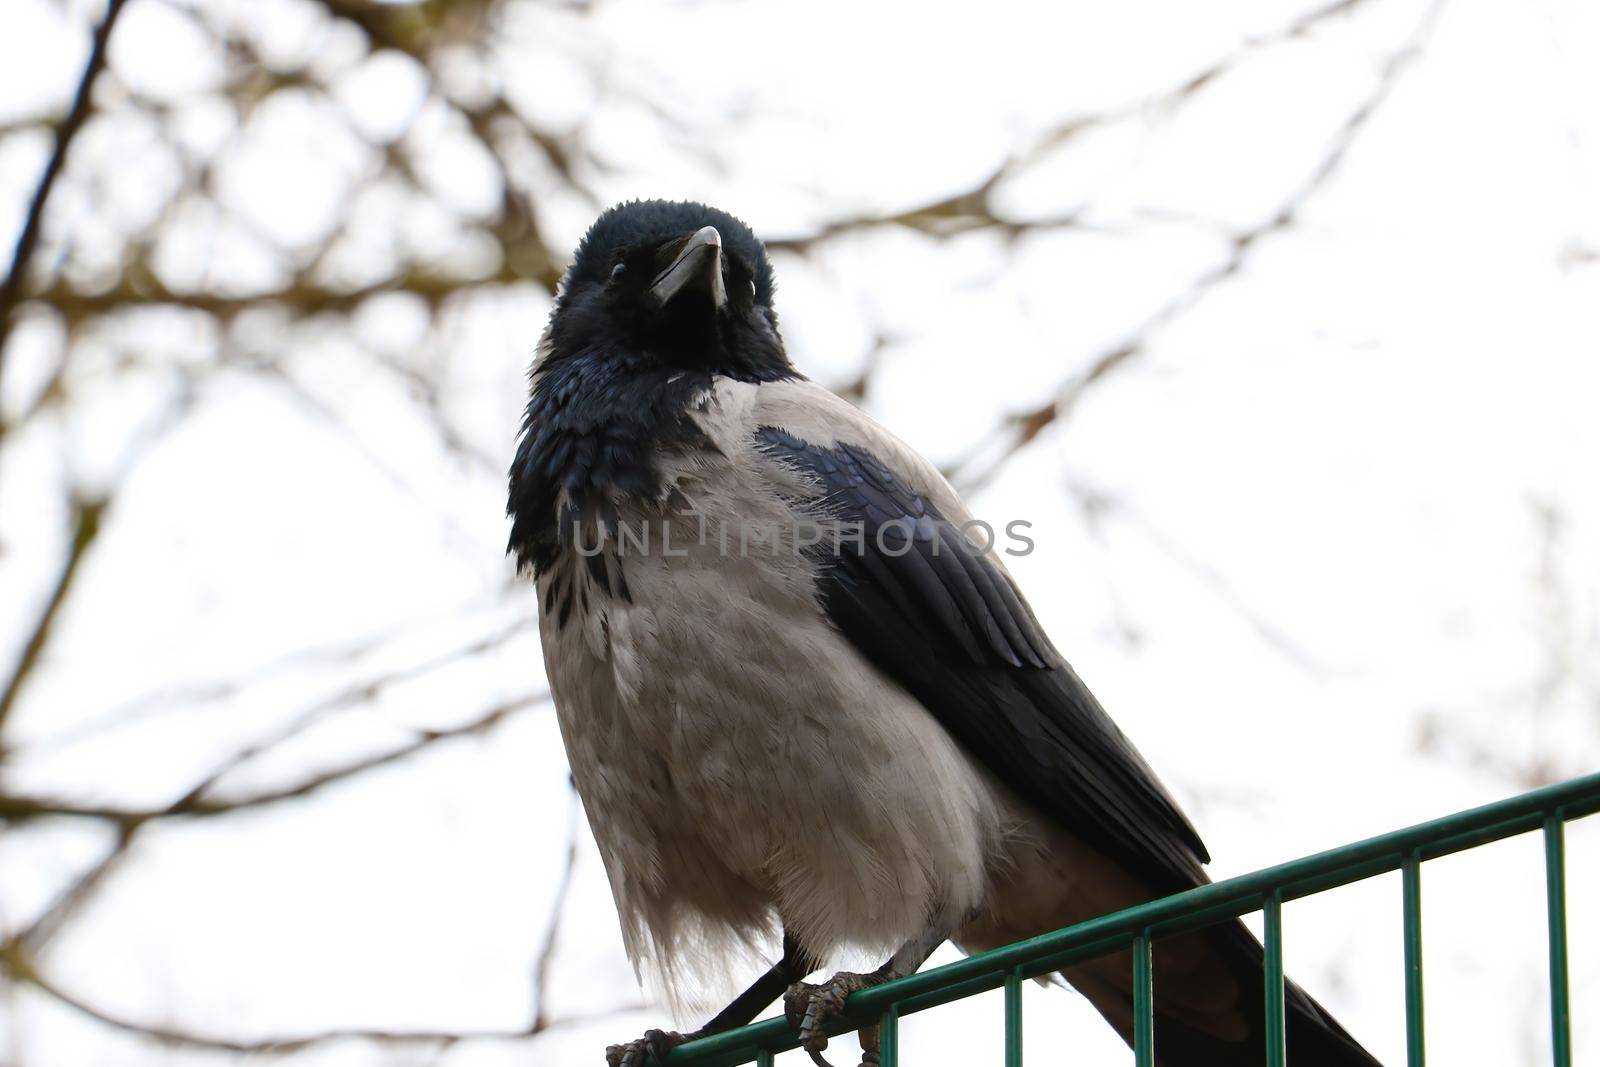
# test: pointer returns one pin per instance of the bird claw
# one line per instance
(654, 1044)
(810, 1008)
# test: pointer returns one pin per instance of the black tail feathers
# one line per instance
(1210, 1005)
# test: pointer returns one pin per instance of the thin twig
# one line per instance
(1017, 431)
(20, 808)
(973, 208)
(23, 969)
(86, 515)
(558, 908)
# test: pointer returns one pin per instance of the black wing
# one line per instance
(934, 613)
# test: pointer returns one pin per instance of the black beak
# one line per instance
(697, 267)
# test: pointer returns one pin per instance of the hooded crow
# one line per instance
(800, 705)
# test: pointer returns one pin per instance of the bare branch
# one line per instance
(558, 908)
(66, 130)
(23, 969)
(37, 934)
(973, 209)
(1020, 429)
(18, 809)
(86, 515)
(181, 697)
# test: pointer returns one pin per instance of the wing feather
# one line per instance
(945, 620)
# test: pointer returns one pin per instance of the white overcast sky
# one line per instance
(1323, 485)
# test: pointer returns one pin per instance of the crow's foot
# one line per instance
(811, 1007)
(654, 1043)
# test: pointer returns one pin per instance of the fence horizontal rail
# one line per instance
(1265, 889)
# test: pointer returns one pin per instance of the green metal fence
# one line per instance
(1547, 809)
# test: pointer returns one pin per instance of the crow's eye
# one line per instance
(752, 288)
(618, 271)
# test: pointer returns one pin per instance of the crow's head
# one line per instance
(661, 298)
(681, 284)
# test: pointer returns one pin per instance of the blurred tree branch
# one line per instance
(24, 969)
(976, 208)
(542, 1015)
(1556, 724)
(196, 804)
(18, 953)
(1019, 430)
(85, 528)
(11, 291)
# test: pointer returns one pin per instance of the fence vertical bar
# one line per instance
(1144, 1012)
(764, 1057)
(1411, 888)
(1013, 1020)
(889, 1037)
(1272, 918)
(1555, 876)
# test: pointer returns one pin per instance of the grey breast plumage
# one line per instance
(743, 765)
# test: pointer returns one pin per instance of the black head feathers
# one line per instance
(639, 224)
(662, 298)
(673, 285)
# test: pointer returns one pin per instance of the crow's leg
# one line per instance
(811, 1007)
(794, 966)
